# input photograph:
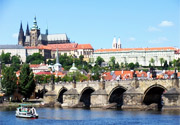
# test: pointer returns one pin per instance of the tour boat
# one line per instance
(26, 111)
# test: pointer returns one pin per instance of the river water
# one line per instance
(90, 117)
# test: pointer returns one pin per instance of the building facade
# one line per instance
(35, 38)
(140, 55)
(15, 50)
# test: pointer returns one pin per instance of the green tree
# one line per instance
(161, 61)
(112, 62)
(152, 61)
(131, 65)
(9, 80)
(15, 62)
(81, 57)
(136, 65)
(35, 58)
(26, 81)
(99, 60)
(5, 58)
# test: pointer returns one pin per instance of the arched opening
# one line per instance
(154, 95)
(86, 96)
(60, 97)
(116, 96)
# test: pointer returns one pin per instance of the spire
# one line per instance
(47, 31)
(119, 43)
(21, 28)
(21, 35)
(114, 45)
(57, 57)
(35, 26)
(27, 30)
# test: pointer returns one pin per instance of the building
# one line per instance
(34, 37)
(140, 55)
(70, 49)
(16, 50)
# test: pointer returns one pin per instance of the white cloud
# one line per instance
(151, 29)
(131, 39)
(166, 24)
(158, 40)
(15, 35)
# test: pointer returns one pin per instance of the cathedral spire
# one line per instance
(27, 30)
(21, 35)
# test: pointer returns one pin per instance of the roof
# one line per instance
(62, 47)
(52, 37)
(36, 65)
(84, 46)
(137, 49)
(124, 75)
(11, 47)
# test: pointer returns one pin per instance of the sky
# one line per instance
(138, 23)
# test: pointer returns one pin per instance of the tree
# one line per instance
(35, 58)
(99, 60)
(112, 61)
(15, 60)
(26, 81)
(161, 61)
(5, 57)
(131, 65)
(136, 65)
(9, 81)
(152, 61)
(81, 57)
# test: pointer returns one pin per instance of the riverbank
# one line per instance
(58, 105)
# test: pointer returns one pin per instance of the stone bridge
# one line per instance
(125, 94)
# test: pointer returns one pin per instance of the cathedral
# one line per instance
(35, 38)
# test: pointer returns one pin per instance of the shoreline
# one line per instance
(124, 108)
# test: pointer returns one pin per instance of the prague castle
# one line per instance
(35, 38)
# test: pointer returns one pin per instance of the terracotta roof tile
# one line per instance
(131, 49)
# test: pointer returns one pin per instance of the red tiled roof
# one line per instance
(124, 75)
(36, 65)
(43, 73)
(84, 46)
(130, 49)
(66, 46)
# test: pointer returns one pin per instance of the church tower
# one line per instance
(114, 44)
(119, 43)
(34, 33)
(27, 30)
(21, 38)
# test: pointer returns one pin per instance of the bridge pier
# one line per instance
(99, 98)
(71, 98)
(132, 99)
(171, 98)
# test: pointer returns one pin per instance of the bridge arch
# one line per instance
(85, 96)
(61, 93)
(116, 95)
(153, 94)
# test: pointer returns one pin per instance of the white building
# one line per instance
(14, 50)
(140, 55)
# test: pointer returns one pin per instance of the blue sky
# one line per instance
(138, 23)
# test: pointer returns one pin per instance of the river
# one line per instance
(90, 117)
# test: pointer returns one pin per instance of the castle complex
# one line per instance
(35, 38)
